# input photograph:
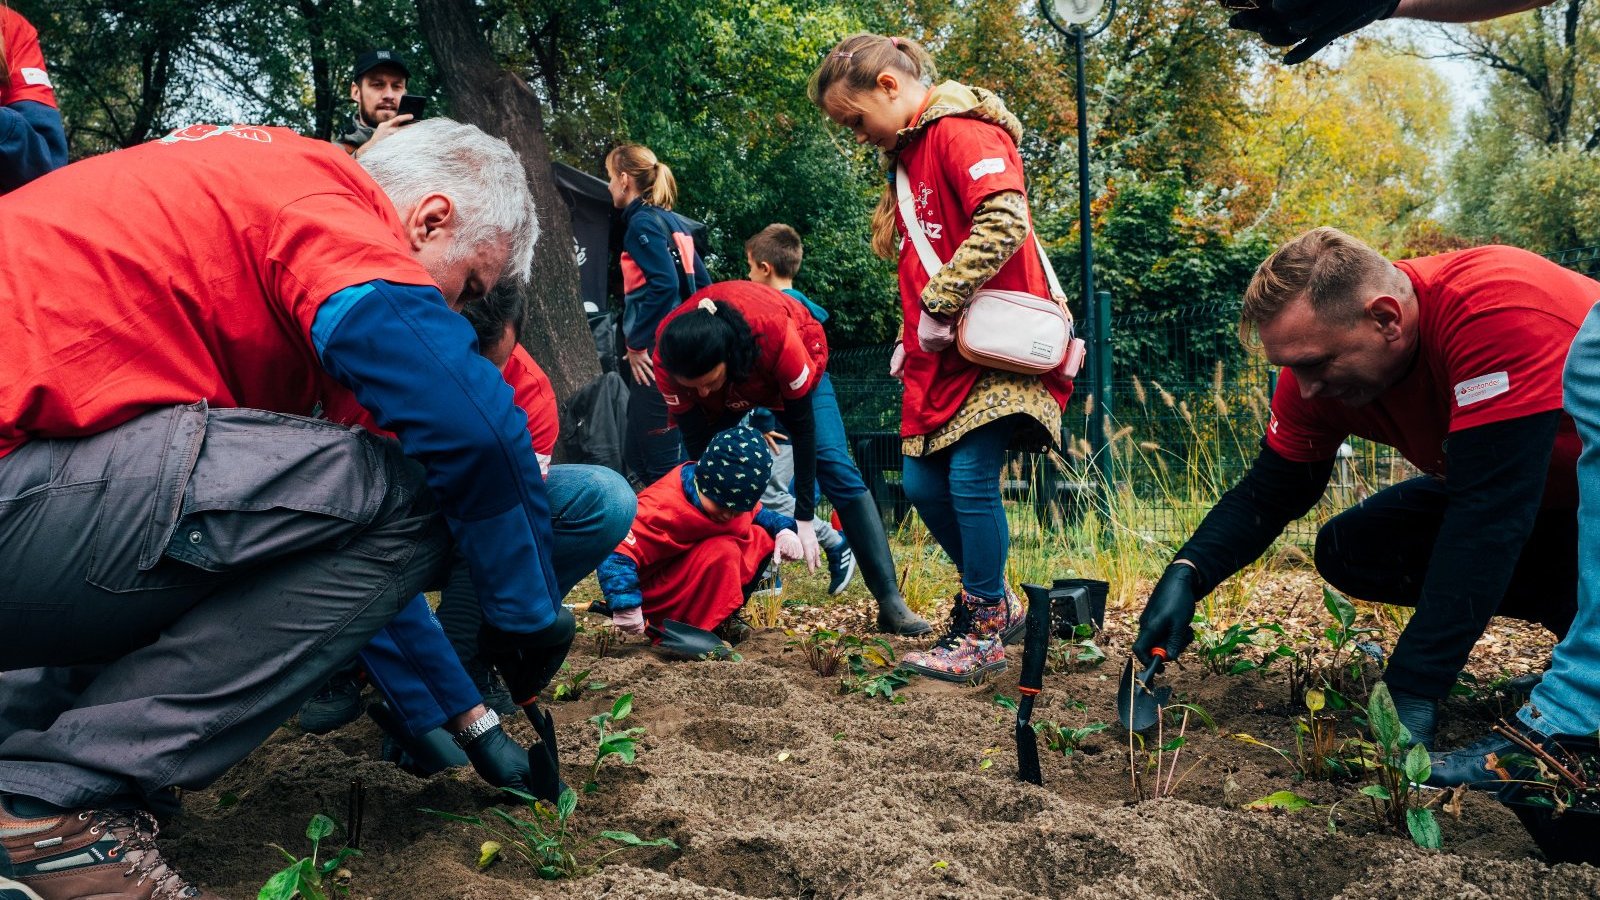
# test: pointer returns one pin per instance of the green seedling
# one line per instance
(1399, 766)
(624, 744)
(1319, 753)
(1145, 761)
(606, 639)
(1079, 652)
(1065, 739)
(1228, 652)
(571, 685)
(307, 878)
(545, 839)
(827, 650)
(863, 677)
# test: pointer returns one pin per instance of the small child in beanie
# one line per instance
(700, 540)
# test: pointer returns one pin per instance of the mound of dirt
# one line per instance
(773, 784)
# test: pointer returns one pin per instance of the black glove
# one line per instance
(499, 760)
(1418, 714)
(1168, 618)
(1310, 24)
(528, 662)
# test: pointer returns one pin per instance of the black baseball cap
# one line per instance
(374, 58)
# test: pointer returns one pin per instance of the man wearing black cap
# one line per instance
(376, 85)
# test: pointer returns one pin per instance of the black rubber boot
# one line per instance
(864, 530)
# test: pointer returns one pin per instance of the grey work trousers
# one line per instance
(200, 572)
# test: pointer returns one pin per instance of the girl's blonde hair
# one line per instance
(651, 176)
(854, 65)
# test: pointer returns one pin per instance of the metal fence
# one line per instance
(1186, 411)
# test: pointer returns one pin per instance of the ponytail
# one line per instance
(714, 334)
(651, 176)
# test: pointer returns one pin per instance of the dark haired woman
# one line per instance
(738, 345)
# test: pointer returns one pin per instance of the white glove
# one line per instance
(786, 547)
(810, 550)
(935, 333)
(897, 361)
(629, 620)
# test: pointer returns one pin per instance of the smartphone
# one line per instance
(416, 105)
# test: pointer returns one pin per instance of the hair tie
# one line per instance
(894, 42)
(707, 304)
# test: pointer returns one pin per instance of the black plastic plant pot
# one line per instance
(1573, 835)
(1078, 601)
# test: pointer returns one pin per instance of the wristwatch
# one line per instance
(489, 720)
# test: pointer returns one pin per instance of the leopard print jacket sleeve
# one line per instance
(999, 227)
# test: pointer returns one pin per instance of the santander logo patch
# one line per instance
(1475, 390)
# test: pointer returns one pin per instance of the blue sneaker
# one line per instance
(841, 567)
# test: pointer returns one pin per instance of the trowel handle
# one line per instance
(1158, 657)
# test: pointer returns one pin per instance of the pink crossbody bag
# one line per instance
(1011, 330)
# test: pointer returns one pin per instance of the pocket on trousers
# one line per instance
(266, 485)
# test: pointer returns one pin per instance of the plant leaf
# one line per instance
(1286, 800)
(1376, 790)
(281, 886)
(1343, 610)
(633, 840)
(1424, 828)
(566, 803)
(488, 852)
(1385, 720)
(622, 708)
(320, 827)
(1418, 765)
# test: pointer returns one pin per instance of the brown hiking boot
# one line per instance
(99, 854)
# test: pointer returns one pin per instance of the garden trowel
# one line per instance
(678, 639)
(1035, 648)
(1139, 705)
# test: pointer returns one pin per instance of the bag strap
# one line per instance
(930, 259)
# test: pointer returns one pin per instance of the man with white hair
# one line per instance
(175, 521)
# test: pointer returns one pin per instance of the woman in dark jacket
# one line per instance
(659, 268)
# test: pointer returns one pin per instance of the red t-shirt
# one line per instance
(955, 165)
(792, 351)
(24, 62)
(1494, 327)
(185, 269)
(667, 525)
(530, 388)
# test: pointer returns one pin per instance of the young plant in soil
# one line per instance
(765, 607)
(623, 744)
(1066, 739)
(1319, 753)
(1399, 766)
(307, 878)
(1339, 667)
(545, 838)
(571, 685)
(864, 677)
(1065, 656)
(606, 639)
(1225, 652)
(1162, 760)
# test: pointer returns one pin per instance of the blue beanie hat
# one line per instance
(734, 469)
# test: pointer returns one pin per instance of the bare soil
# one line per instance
(774, 785)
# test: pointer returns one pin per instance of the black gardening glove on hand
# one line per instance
(500, 760)
(1310, 25)
(529, 661)
(1418, 714)
(1168, 619)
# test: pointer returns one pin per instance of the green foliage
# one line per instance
(307, 878)
(1080, 652)
(1066, 739)
(624, 744)
(1399, 768)
(571, 685)
(545, 838)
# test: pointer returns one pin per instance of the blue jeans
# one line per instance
(1567, 701)
(957, 493)
(837, 476)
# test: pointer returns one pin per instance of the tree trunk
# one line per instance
(485, 94)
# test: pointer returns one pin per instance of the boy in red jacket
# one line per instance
(699, 539)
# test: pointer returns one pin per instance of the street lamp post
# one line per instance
(1073, 18)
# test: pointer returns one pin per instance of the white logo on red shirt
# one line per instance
(630, 540)
(35, 76)
(201, 132)
(994, 165)
(1482, 388)
(805, 372)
